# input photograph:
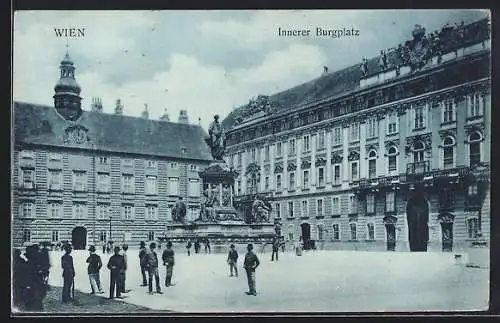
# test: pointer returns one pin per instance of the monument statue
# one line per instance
(216, 139)
(179, 211)
(260, 210)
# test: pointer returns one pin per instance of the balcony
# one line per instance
(418, 167)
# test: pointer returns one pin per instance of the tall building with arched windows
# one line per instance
(392, 154)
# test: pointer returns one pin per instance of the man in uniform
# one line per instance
(116, 265)
(95, 265)
(168, 261)
(232, 260)
(276, 246)
(142, 261)
(188, 247)
(68, 274)
(152, 266)
(251, 263)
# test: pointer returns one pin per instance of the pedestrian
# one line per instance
(251, 263)
(68, 292)
(188, 247)
(207, 246)
(45, 265)
(93, 269)
(197, 246)
(142, 261)
(282, 244)
(18, 279)
(123, 273)
(34, 288)
(116, 265)
(152, 267)
(168, 261)
(232, 259)
(103, 248)
(275, 245)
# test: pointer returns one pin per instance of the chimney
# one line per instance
(325, 69)
(183, 117)
(145, 113)
(118, 107)
(165, 116)
(96, 105)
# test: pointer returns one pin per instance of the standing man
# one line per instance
(95, 265)
(122, 274)
(45, 264)
(34, 288)
(197, 246)
(116, 265)
(276, 245)
(68, 275)
(250, 264)
(152, 266)
(142, 261)
(232, 259)
(168, 261)
(18, 278)
(207, 246)
(188, 247)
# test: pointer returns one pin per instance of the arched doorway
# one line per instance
(417, 212)
(79, 238)
(306, 235)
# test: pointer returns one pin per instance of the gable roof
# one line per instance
(42, 125)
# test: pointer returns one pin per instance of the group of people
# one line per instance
(197, 246)
(30, 277)
(250, 264)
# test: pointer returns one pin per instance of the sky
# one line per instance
(205, 62)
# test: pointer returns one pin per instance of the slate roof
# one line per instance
(341, 82)
(42, 125)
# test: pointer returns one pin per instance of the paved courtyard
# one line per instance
(330, 281)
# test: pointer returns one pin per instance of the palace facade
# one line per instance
(391, 154)
(89, 177)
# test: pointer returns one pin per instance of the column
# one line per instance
(313, 145)
(345, 162)
(486, 106)
(328, 166)
(461, 115)
(363, 162)
(435, 124)
(382, 160)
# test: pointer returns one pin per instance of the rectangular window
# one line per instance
(336, 232)
(79, 181)
(79, 211)
(240, 158)
(278, 149)
(55, 210)
(174, 166)
(103, 160)
(336, 174)
(27, 154)
(319, 207)
(392, 163)
(392, 124)
(447, 199)
(151, 164)
(26, 235)
(103, 211)
(55, 156)
(173, 186)
(194, 168)
(127, 162)
(266, 153)
(151, 212)
(448, 157)
(253, 155)
(151, 185)
(277, 207)
(321, 140)
(390, 202)
(128, 184)
(55, 236)
(278, 181)
(55, 179)
(472, 196)
(354, 132)
(306, 143)
(475, 105)
(370, 203)
(290, 210)
(353, 204)
(291, 147)
(194, 187)
(266, 183)
(337, 136)
(291, 181)
(102, 236)
(354, 171)
(320, 232)
(335, 205)
(418, 118)
(353, 228)
(305, 211)
(103, 182)
(127, 212)
(370, 228)
(151, 236)
(372, 168)
(305, 179)
(472, 228)
(321, 176)
(448, 111)
(27, 209)
(372, 128)
(27, 177)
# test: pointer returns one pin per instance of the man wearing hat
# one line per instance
(168, 261)
(95, 265)
(152, 267)
(116, 265)
(122, 275)
(250, 264)
(232, 259)
(68, 274)
(142, 261)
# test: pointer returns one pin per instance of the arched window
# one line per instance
(391, 155)
(418, 152)
(475, 148)
(290, 232)
(320, 232)
(372, 164)
(448, 152)
(353, 229)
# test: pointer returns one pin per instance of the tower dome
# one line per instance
(67, 82)
(67, 100)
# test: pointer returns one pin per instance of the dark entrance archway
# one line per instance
(79, 238)
(306, 235)
(417, 212)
